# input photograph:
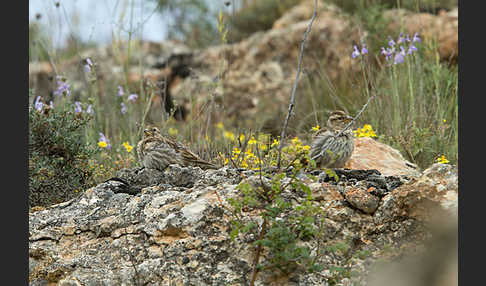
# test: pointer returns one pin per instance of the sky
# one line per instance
(95, 20)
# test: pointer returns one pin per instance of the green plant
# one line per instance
(281, 226)
(415, 105)
(58, 154)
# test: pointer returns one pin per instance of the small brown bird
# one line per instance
(158, 152)
(329, 150)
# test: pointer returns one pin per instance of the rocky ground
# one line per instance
(146, 227)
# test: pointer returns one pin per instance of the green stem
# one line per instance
(410, 90)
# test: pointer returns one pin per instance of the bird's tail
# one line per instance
(206, 165)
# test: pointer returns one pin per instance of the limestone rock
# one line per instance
(371, 154)
(436, 191)
(362, 200)
(179, 235)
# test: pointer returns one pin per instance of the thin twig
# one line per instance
(258, 252)
(294, 88)
(357, 116)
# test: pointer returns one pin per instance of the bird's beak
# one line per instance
(146, 132)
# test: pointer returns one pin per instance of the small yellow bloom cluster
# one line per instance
(442, 160)
(275, 143)
(127, 146)
(268, 150)
(296, 146)
(316, 128)
(260, 150)
(102, 144)
(248, 159)
(366, 131)
(260, 141)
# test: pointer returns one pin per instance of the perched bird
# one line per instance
(158, 152)
(329, 150)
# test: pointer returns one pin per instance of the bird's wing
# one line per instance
(324, 141)
(188, 155)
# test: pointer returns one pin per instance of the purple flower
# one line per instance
(407, 47)
(416, 38)
(412, 49)
(355, 52)
(87, 65)
(78, 108)
(104, 139)
(38, 104)
(402, 50)
(387, 53)
(364, 50)
(89, 110)
(398, 59)
(62, 87)
(123, 108)
(120, 91)
(400, 39)
(132, 97)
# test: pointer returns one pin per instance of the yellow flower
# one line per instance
(220, 125)
(172, 132)
(366, 131)
(306, 147)
(249, 154)
(236, 152)
(102, 144)
(275, 143)
(443, 120)
(229, 135)
(252, 141)
(263, 147)
(127, 146)
(242, 137)
(244, 164)
(442, 160)
(296, 141)
(316, 128)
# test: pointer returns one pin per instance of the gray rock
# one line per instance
(180, 235)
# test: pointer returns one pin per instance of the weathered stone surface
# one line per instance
(175, 235)
(371, 154)
(362, 200)
(436, 189)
